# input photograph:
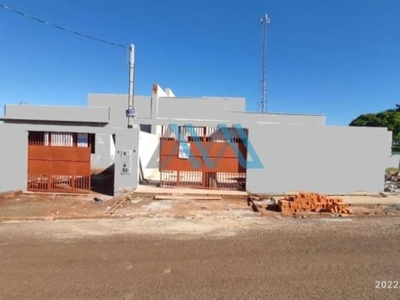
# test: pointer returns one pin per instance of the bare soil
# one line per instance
(193, 249)
(30, 206)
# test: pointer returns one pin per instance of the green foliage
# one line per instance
(389, 118)
(390, 170)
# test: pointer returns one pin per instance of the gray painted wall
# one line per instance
(143, 107)
(127, 141)
(319, 159)
(192, 108)
(13, 159)
(14, 155)
(205, 108)
(218, 109)
(322, 159)
(298, 152)
(102, 159)
(393, 161)
(200, 111)
(118, 104)
(58, 113)
(70, 127)
(271, 118)
(234, 104)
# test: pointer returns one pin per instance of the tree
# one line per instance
(389, 118)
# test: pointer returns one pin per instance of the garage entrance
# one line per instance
(203, 157)
(59, 162)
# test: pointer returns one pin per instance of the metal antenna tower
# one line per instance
(264, 22)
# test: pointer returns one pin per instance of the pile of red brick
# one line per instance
(308, 202)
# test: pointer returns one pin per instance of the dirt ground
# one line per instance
(194, 249)
(30, 206)
(220, 257)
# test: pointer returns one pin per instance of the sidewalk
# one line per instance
(356, 198)
(371, 200)
(152, 190)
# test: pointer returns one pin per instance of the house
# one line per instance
(208, 142)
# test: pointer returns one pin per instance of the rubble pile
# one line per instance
(392, 182)
(312, 202)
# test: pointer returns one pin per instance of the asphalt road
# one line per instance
(300, 259)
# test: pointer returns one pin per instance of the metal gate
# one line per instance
(59, 162)
(203, 157)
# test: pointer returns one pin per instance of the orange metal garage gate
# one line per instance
(203, 157)
(59, 162)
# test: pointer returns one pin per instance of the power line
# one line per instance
(62, 28)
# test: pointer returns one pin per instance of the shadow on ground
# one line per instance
(103, 182)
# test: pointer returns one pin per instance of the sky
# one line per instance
(338, 58)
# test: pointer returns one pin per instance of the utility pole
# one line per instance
(130, 112)
(264, 22)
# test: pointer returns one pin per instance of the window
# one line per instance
(62, 139)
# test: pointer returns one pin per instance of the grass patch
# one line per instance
(389, 170)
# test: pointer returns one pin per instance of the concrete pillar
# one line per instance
(13, 158)
(126, 173)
